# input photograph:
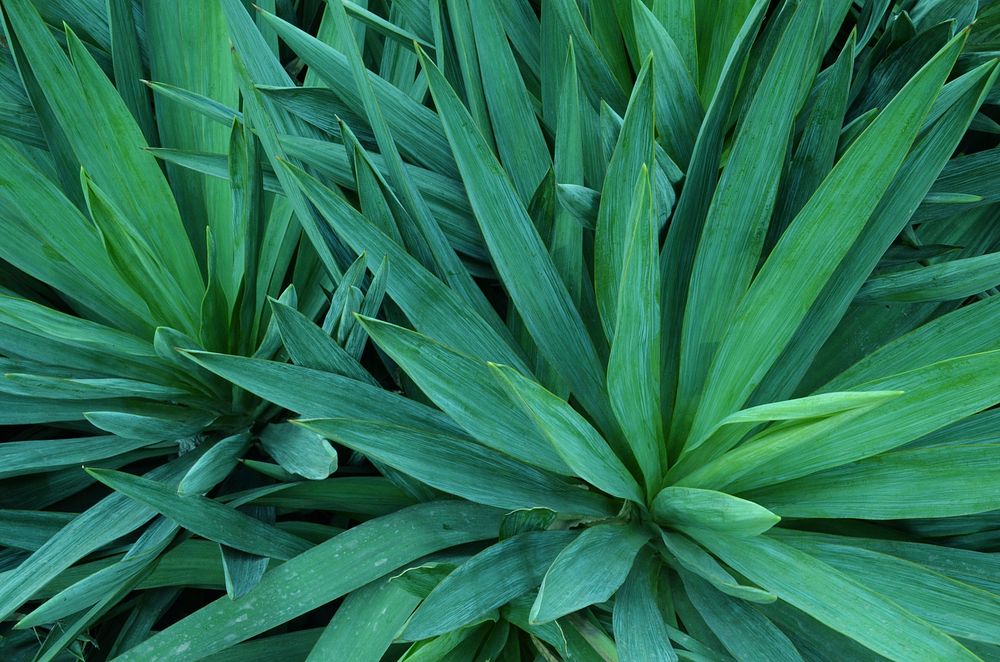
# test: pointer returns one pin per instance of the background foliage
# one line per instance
(685, 341)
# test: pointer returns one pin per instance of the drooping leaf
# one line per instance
(206, 517)
(323, 574)
(461, 466)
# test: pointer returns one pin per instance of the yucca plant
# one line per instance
(689, 345)
(112, 268)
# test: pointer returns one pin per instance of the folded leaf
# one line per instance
(689, 508)
(616, 225)
(299, 451)
(537, 290)
(943, 281)
(696, 560)
(933, 397)
(633, 367)
(488, 580)
(603, 553)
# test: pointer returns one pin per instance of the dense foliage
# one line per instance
(514, 330)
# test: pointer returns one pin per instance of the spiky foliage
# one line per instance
(689, 348)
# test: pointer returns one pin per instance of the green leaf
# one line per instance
(138, 262)
(678, 19)
(299, 451)
(933, 397)
(678, 110)
(432, 307)
(820, 122)
(640, 632)
(446, 263)
(731, 430)
(256, 63)
(18, 458)
(689, 508)
(358, 336)
(747, 634)
(520, 256)
(311, 347)
(465, 51)
(106, 140)
(464, 388)
(526, 519)
(243, 571)
(164, 423)
(382, 26)
(29, 529)
(206, 106)
(420, 580)
(328, 395)
(677, 257)
(763, 324)
(943, 281)
(108, 519)
(488, 580)
(835, 599)
(696, 560)
(960, 609)
(96, 587)
(574, 440)
(366, 623)
(295, 645)
(362, 495)
(47, 237)
(595, 75)
(616, 227)
(927, 482)
(203, 69)
(205, 517)
(911, 183)
(461, 466)
(414, 126)
(520, 143)
(213, 467)
(603, 553)
(633, 367)
(718, 28)
(731, 242)
(321, 575)
(39, 386)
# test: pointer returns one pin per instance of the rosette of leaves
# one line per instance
(113, 268)
(728, 409)
(736, 402)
